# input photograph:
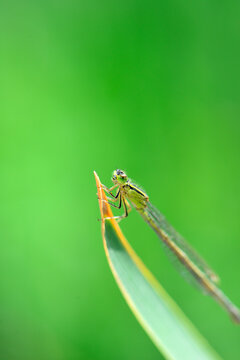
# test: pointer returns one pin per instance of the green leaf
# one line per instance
(161, 318)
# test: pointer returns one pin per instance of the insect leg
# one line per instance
(121, 216)
(109, 191)
(120, 201)
(128, 206)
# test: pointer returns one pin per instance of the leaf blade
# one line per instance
(162, 319)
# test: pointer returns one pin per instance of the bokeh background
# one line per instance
(150, 87)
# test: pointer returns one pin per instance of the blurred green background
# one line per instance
(150, 87)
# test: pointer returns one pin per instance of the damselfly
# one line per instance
(195, 265)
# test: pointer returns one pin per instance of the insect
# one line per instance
(195, 265)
